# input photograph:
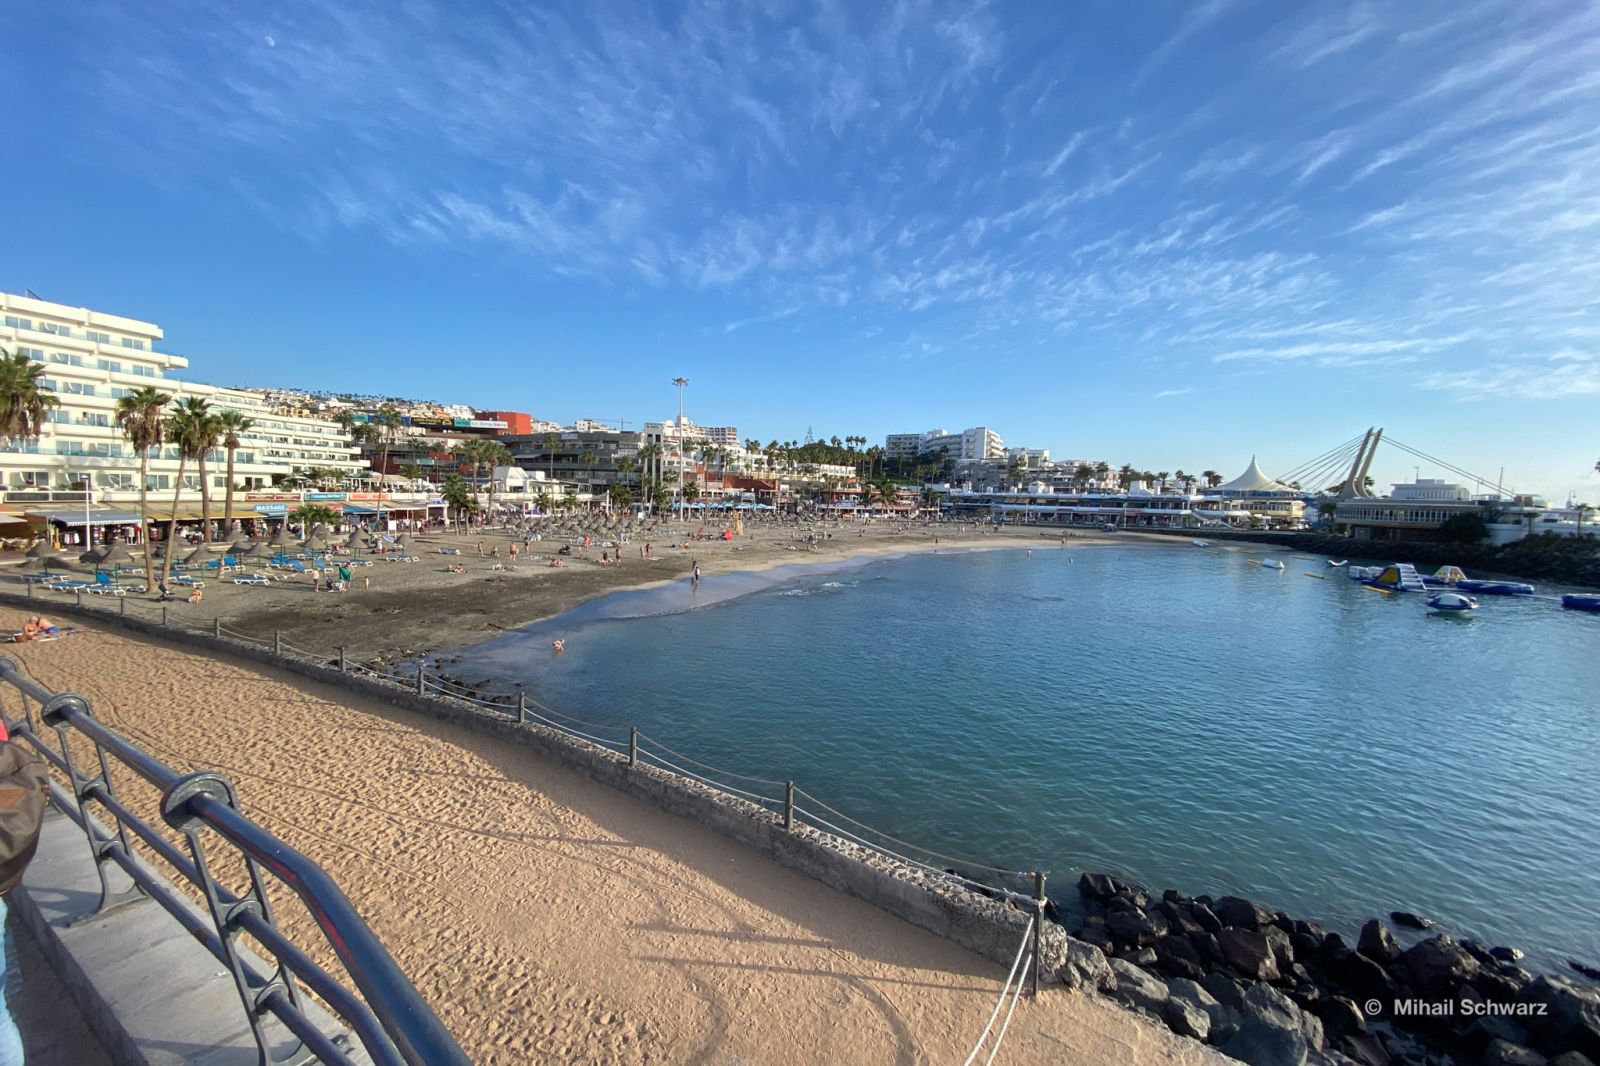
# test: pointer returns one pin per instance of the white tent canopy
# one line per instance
(1253, 480)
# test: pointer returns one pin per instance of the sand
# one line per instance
(398, 610)
(550, 919)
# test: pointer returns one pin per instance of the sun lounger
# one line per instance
(400, 558)
(66, 584)
(188, 582)
(251, 579)
(449, 551)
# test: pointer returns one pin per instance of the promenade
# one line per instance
(548, 918)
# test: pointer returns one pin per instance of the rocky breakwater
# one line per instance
(1270, 990)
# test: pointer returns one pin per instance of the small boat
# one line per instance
(1201, 543)
(1272, 564)
(1452, 602)
(1496, 588)
(1573, 602)
(1337, 562)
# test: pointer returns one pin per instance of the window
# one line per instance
(129, 342)
(109, 364)
(19, 323)
(57, 328)
(31, 479)
(69, 447)
(57, 415)
(157, 481)
(98, 338)
(77, 388)
(93, 419)
(47, 384)
(66, 359)
(117, 394)
(116, 481)
(32, 353)
(144, 371)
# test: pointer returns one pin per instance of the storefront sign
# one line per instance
(287, 496)
(272, 508)
(324, 495)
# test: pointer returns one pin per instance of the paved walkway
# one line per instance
(54, 1032)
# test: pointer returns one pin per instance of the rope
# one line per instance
(708, 766)
(916, 863)
(714, 784)
(908, 844)
(1004, 991)
(1016, 994)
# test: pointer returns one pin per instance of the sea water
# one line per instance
(1183, 715)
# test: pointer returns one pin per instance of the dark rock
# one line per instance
(1171, 896)
(1489, 1028)
(1178, 918)
(1278, 943)
(1241, 913)
(1311, 929)
(1205, 917)
(1138, 989)
(1249, 953)
(1365, 1049)
(1339, 1016)
(1221, 1021)
(1283, 921)
(1306, 946)
(1145, 957)
(1224, 989)
(1176, 957)
(1591, 972)
(1505, 954)
(1135, 927)
(1436, 967)
(1186, 1020)
(1085, 967)
(1377, 943)
(1409, 920)
(1094, 932)
(1331, 943)
(1497, 987)
(1099, 887)
(1572, 1058)
(1206, 946)
(1361, 976)
(1503, 1053)
(1479, 952)
(1270, 1030)
(1571, 1021)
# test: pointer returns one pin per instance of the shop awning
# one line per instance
(73, 516)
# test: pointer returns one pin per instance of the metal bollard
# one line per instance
(341, 660)
(1038, 926)
(633, 746)
(163, 614)
(80, 596)
(122, 605)
(277, 642)
(788, 805)
(522, 707)
(421, 679)
(216, 628)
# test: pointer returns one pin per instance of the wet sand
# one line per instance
(550, 919)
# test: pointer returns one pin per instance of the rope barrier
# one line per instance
(1004, 991)
(714, 784)
(988, 890)
(907, 843)
(708, 766)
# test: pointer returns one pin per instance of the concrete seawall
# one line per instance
(968, 918)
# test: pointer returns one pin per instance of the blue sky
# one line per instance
(1169, 234)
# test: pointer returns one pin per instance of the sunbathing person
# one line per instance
(194, 596)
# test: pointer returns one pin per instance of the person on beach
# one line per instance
(513, 551)
(480, 549)
(696, 574)
(194, 596)
(558, 646)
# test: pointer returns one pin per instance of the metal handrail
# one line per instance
(392, 1020)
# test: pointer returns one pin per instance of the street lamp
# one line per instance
(680, 382)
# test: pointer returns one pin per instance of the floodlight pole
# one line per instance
(680, 382)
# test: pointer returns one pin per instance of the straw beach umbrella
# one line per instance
(117, 555)
(41, 549)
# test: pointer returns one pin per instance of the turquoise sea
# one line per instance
(1180, 714)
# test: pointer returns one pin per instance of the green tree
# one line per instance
(311, 515)
(230, 424)
(24, 402)
(1212, 478)
(387, 421)
(494, 455)
(1464, 528)
(189, 427)
(139, 417)
(551, 441)
(459, 499)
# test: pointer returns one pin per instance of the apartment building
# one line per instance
(92, 359)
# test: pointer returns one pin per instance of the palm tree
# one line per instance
(207, 436)
(551, 441)
(1212, 478)
(620, 496)
(1161, 480)
(458, 497)
(1016, 468)
(1126, 475)
(543, 502)
(188, 427)
(1102, 471)
(648, 454)
(494, 455)
(139, 418)
(230, 424)
(311, 515)
(23, 400)
(388, 421)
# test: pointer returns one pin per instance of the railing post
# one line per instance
(421, 679)
(79, 593)
(163, 614)
(342, 668)
(788, 804)
(1038, 926)
(633, 745)
(30, 590)
(522, 707)
(277, 642)
(216, 627)
(122, 605)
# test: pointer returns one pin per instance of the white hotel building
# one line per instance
(92, 360)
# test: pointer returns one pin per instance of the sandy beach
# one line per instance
(400, 610)
(548, 918)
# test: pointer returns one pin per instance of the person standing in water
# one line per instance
(694, 576)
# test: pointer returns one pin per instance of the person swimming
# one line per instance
(558, 646)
